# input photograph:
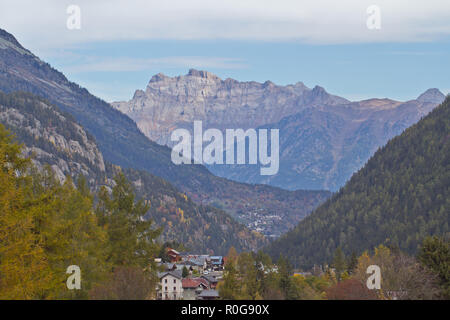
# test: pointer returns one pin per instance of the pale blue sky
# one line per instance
(121, 44)
(114, 70)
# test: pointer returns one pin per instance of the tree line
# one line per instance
(253, 276)
(46, 226)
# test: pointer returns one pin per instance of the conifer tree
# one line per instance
(339, 263)
(131, 236)
(435, 254)
(23, 266)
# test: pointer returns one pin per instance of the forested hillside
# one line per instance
(400, 196)
(53, 138)
(199, 228)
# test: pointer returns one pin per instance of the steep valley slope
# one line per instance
(272, 211)
(399, 197)
(53, 138)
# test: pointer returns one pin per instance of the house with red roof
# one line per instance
(192, 287)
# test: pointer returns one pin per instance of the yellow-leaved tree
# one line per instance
(24, 270)
(44, 228)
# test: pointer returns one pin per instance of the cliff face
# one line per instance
(324, 138)
(51, 137)
(170, 102)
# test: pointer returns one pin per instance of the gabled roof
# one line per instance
(173, 250)
(199, 261)
(176, 273)
(191, 283)
(203, 281)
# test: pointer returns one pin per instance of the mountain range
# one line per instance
(398, 197)
(324, 138)
(268, 210)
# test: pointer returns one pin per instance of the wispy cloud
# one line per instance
(126, 64)
(319, 21)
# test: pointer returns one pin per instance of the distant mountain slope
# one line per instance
(324, 138)
(54, 138)
(401, 195)
(20, 70)
(321, 147)
(121, 143)
(199, 228)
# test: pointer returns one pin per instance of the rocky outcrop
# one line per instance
(52, 138)
(324, 138)
(432, 96)
(170, 102)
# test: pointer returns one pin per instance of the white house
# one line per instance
(170, 285)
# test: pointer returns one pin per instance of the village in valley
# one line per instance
(189, 276)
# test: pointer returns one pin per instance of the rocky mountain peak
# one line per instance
(158, 77)
(9, 37)
(318, 95)
(300, 84)
(268, 83)
(432, 95)
(202, 74)
(139, 94)
(7, 40)
(168, 102)
(319, 91)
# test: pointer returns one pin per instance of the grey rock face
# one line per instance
(432, 96)
(66, 147)
(324, 138)
(201, 95)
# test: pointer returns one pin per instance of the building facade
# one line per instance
(170, 286)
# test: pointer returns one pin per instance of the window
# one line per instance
(174, 288)
(174, 280)
(166, 289)
(165, 280)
